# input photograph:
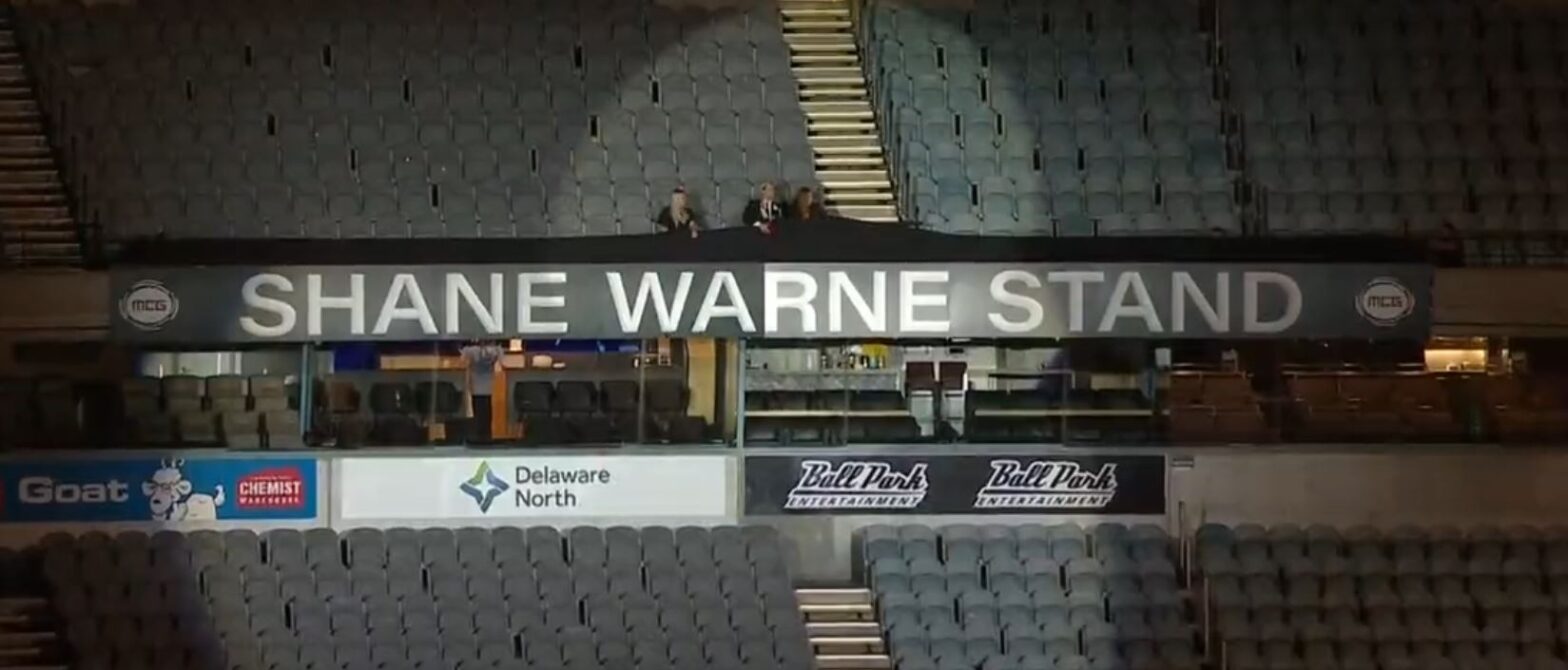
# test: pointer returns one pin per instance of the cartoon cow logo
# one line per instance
(169, 495)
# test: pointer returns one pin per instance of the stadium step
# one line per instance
(22, 148)
(858, 196)
(36, 226)
(50, 177)
(28, 639)
(843, 180)
(827, 110)
(31, 200)
(806, 76)
(843, 628)
(27, 163)
(835, 92)
(825, 48)
(841, 59)
(29, 191)
(807, 71)
(882, 213)
(852, 147)
(825, 39)
(840, 128)
(841, 125)
(43, 235)
(818, 24)
(36, 213)
(815, 11)
(11, 127)
(850, 161)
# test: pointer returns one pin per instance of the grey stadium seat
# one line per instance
(285, 599)
(335, 123)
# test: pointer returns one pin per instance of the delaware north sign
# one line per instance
(782, 300)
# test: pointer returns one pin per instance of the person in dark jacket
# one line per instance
(678, 217)
(805, 207)
(764, 212)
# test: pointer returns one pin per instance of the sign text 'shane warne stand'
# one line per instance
(783, 300)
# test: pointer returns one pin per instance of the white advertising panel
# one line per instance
(542, 488)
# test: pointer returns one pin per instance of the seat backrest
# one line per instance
(1186, 389)
(620, 395)
(576, 396)
(1546, 393)
(439, 397)
(666, 396)
(391, 398)
(183, 393)
(1314, 389)
(1422, 391)
(536, 397)
(139, 395)
(1232, 390)
(1371, 391)
(227, 393)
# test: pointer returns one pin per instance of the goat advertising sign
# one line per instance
(159, 491)
(939, 484)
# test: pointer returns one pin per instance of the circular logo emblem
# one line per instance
(1385, 301)
(149, 305)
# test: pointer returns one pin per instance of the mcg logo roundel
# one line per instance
(149, 305)
(1385, 302)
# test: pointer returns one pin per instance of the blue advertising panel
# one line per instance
(170, 490)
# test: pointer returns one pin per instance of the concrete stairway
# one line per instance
(27, 637)
(840, 124)
(36, 227)
(843, 627)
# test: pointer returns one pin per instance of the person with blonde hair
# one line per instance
(678, 217)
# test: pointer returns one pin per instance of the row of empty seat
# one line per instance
(1194, 408)
(1031, 596)
(422, 121)
(1044, 117)
(1287, 597)
(1388, 118)
(1073, 104)
(1281, 597)
(472, 598)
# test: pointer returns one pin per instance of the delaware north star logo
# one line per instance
(484, 487)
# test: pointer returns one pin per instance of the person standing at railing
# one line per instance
(483, 358)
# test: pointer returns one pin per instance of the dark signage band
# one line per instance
(780, 300)
(999, 484)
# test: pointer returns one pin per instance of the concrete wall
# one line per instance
(1430, 486)
(1500, 301)
(73, 301)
